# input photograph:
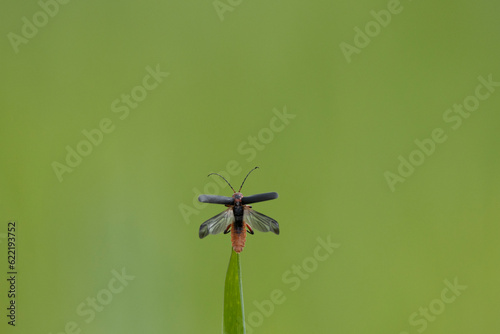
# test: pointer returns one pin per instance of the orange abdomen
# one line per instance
(238, 238)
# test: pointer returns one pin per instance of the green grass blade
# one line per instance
(234, 315)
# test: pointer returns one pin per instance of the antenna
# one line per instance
(223, 179)
(246, 178)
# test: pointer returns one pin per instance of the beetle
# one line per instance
(239, 218)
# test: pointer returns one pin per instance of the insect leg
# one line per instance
(249, 229)
(228, 229)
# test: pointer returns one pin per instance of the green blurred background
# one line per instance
(123, 205)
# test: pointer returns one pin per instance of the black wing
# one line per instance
(216, 199)
(260, 222)
(217, 224)
(258, 198)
